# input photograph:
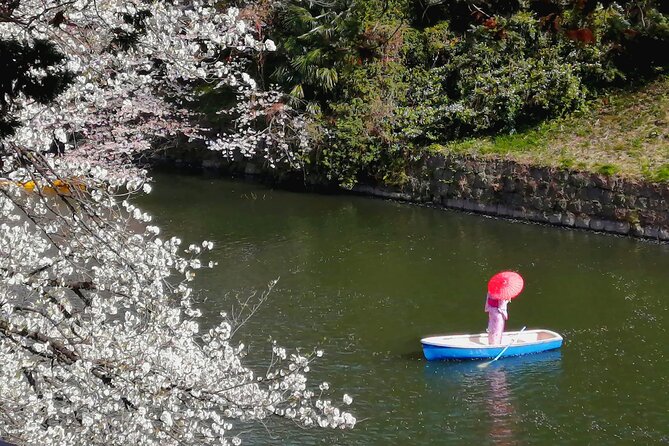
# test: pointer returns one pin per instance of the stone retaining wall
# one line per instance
(540, 194)
(498, 187)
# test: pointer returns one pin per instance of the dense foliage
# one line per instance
(387, 78)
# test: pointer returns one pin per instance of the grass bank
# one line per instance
(625, 132)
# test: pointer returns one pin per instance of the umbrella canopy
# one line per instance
(505, 285)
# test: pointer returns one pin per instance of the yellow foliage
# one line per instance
(58, 186)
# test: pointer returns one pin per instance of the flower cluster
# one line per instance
(267, 127)
(127, 57)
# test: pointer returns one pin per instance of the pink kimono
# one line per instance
(497, 314)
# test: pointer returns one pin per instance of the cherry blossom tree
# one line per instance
(99, 335)
(267, 127)
(134, 64)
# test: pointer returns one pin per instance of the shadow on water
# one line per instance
(540, 363)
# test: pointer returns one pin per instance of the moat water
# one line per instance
(365, 279)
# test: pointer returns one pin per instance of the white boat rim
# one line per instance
(480, 340)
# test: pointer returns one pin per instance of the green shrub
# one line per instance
(608, 169)
(414, 47)
(662, 173)
(393, 77)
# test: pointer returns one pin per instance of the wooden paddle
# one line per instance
(483, 365)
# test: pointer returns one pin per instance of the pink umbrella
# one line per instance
(505, 285)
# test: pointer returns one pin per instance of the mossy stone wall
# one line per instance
(541, 194)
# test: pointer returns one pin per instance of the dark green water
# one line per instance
(365, 279)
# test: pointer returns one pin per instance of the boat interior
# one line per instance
(481, 339)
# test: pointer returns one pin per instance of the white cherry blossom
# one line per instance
(100, 341)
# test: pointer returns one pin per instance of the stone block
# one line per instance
(617, 184)
(481, 181)
(519, 214)
(587, 207)
(568, 219)
(650, 217)
(578, 179)
(663, 205)
(636, 230)
(582, 221)
(480, 207)
(617, 227)
(569, 191)
(531, 186)
(442, 189)
(455, 203)
(536, 203)
(517, 201)
(555, 219)
(597, 224)
(536, 173)
(427, 198)
(561, 204)
(664, 216)
(651, 232)
(509, 185)
(490, 209)
(607, 197)
(630, 187)
(574, 206)
(537, 216)
(608, 211)
(554, 190)
(601, 181)
(663, 234)
(593, 193)
(504, 211)
(622, 214)
(647, 190)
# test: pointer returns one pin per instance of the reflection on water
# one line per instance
(491, 390)
(500, 408)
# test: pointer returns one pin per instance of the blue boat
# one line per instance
(468, 346)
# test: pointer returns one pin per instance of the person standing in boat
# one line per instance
(502, 287)
(497, 315)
